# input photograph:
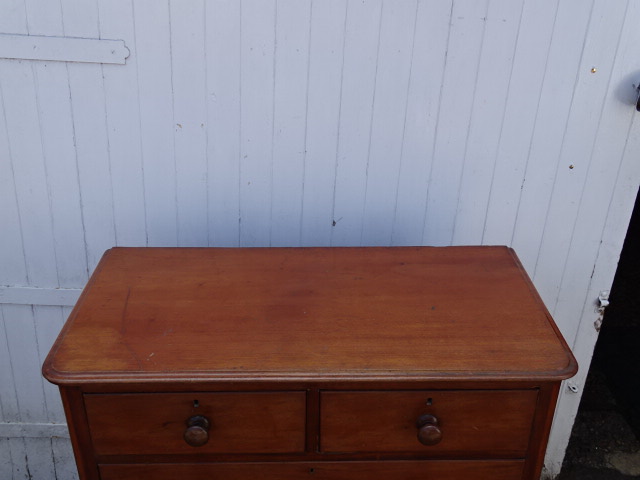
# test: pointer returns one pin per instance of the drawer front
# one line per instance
(405, 470)
(264, 422)
(494, 424)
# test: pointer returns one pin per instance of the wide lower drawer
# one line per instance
(400, 470)
(493, 424)
(155, 423)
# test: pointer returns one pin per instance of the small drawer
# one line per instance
(184, 423)
(405, 470)
(494, 424)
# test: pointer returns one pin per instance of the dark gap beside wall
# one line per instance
(605, 441)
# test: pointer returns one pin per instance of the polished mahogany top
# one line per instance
(209, 314)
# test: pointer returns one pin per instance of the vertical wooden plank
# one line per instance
(577, 149)
(461, 73)
(290, 113)
(494, 73)
(326, 50)
(92, 147)
(189, 117)
(536, 27)
(63, 459)
(433, 20)
(43, 18)
(123, 126)
(48, 323)
(257, 84)
(13, 19)
(553, 111)
(8, 396)
(152, 37)
(617, 221)
(618, 107)
(5, 459)
(223, 32)
(12, 255)
(62, 175)
(40, 458)
(58, 147)
(14, 269)
(608, 150)
(362, 36)
(25, 144)
(23, 350)
(19, 464)
(397, 29)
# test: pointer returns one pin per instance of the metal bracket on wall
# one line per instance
(603, 302)
(603, 299)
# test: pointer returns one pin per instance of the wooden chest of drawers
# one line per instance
(311, 363)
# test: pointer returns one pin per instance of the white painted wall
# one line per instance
(308, 122)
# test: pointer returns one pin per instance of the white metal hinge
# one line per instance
(603, 302)
(603, 299)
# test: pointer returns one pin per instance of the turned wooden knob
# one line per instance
(429, 432)
(197, 432)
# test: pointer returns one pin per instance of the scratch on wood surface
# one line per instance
(123, 318)
(133, 354)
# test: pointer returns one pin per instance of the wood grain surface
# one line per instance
(407, 470)
(169, 314)
(491, 424)
(256, 422)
